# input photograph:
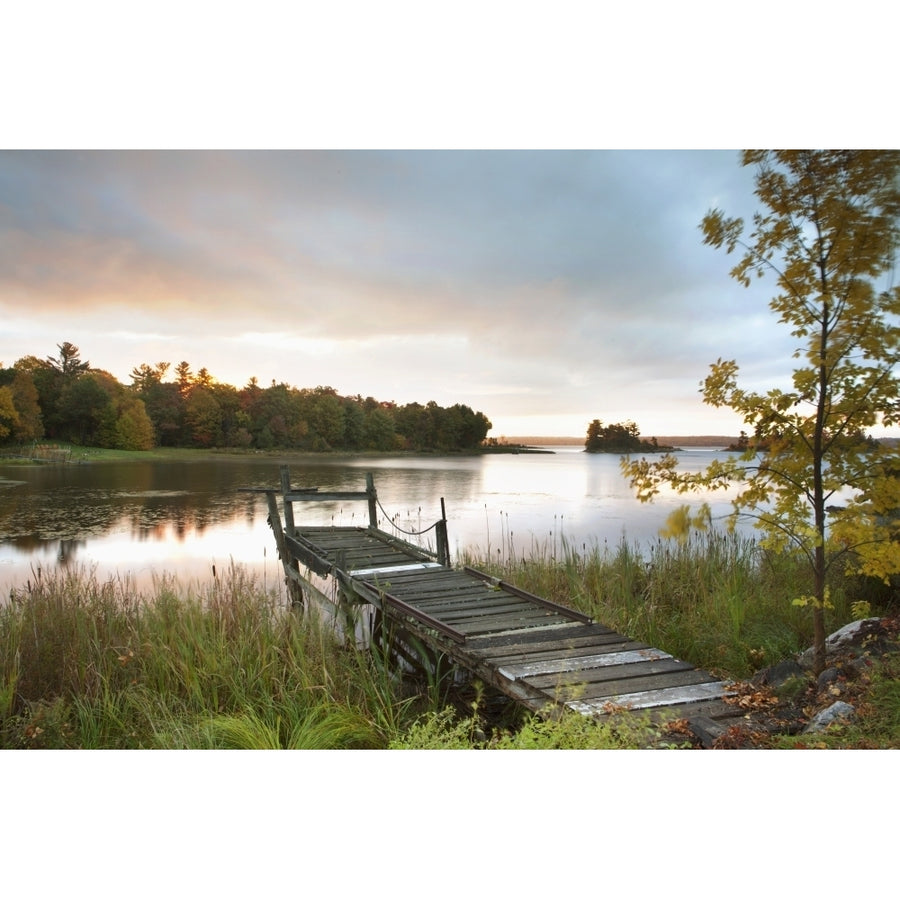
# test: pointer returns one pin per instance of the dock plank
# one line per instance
(536, 651)
(610, 689)
(559, 664)
(598, 675)
(670, 696)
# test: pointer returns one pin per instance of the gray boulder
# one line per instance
(842, 639)
(838, 712)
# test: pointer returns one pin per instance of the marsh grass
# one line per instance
(86, 663)
(716, 600)
(94, 664)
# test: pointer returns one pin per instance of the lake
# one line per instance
(143, 519)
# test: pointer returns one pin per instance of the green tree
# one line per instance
(354, 425)
(814, 484)
(326, 419)
(204, 417)
(84, 405)
(183, 377)
(379, 430)
(163, 401)
(133, 428)
(620, 437)
(68, 361)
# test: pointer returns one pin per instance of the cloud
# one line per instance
(540, 282)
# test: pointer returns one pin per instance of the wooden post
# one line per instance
(443, 542)
(275, 523)
(373, 497)
(288, 504)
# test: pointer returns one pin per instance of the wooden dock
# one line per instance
(543, 655)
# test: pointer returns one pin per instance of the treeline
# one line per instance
(621, 437)
(65, 399)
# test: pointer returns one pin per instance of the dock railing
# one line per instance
(292, 495)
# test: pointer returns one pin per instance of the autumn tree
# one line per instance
(9, 416)
(26, 424)
(25, 396)
(814, 484)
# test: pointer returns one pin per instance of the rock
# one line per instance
(706, 730)
(853, 668)
(841, 639)
(838, 712)
(777, 675)
(827, 677)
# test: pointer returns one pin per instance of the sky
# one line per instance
(544, 288)
(540, 285)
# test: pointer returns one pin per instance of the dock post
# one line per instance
(288, 505)
(443, 542)
(373, 496)
(295, 592)
(275, 524)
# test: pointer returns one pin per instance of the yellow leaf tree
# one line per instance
(812, 479)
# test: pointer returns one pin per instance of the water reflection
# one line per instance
(182, 518)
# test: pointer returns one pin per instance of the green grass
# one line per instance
(717, 600)
(90, 664)
(86, 663)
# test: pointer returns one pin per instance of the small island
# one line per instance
(621, 437)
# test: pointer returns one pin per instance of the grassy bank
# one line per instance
(90, 664)
(63, 453)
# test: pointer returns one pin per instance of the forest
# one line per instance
(63, 398)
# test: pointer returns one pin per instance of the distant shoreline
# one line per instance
(702, 440)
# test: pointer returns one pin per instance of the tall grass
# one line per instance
(716, 600)
(95, 664)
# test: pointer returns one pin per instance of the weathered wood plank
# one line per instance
(436, 575)
(552, 644)
(501, 624)
(395, 570)
(471, 613)
(620, 687)
(567, 629)
(362, 559)
(581, 663)
(463, 600)
(670, 696)
(436, 590)
(563, 653)
(527, 595)
(588, 679)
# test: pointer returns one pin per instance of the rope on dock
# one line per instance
(403, 530)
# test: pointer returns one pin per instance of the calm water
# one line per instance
(183, 518)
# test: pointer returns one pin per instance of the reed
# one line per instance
(717, 600)
(86, 663)
(94, 664)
